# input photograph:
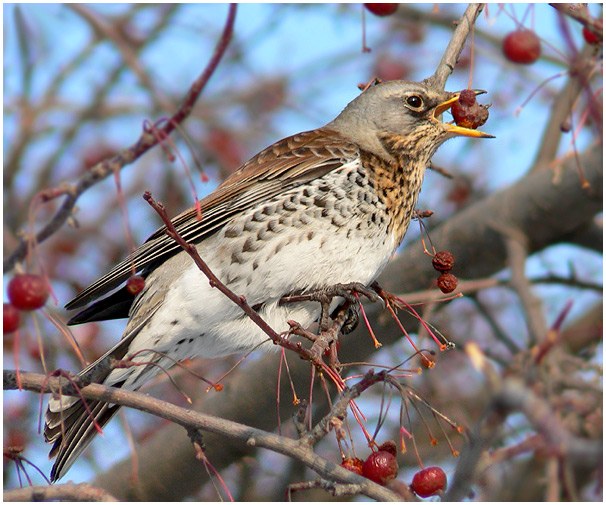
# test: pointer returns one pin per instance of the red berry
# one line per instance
(380, 467)
(447, 282)
(443, 261)
(590, 36)
(135, 284)
(11, 318)
(382, 9)
(522, 46)
(429, 481)
(467, 112)
(353, 465)
(27, 291)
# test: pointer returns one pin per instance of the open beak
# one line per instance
(453, 128)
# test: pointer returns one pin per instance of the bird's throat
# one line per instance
(397, 184)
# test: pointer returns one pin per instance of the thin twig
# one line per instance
(127, 156)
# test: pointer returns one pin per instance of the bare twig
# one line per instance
(455, 46)
(126, 156)
(517, 249)
(563, 105)
(580, 13)
(129, 55)
(511, 395)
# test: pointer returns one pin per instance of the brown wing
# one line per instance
(284, 165)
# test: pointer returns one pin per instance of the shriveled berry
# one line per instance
(443, 261)
(382, 9)
(135, 284)
(522, 46)
(467, 112)
(353, 465)
(28, 291)
(429, 481)
(590, 36)
(380, 467)
(467, 97)
(447, 282)
(10, 318)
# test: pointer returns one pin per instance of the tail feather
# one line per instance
(70, 424)
(74, 433)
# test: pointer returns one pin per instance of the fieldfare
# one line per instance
(319, 208)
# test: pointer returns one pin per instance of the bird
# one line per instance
(319, 208)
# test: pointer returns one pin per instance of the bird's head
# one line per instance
(402, 116)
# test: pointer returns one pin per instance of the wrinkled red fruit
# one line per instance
(447, 282)
(429, 481)
(10, 318)
(135, 284)
(353, 465)
(382, 9)
(380, 467)
(443, 261)
(27, 291)
(467, 112)
(590, 37)
(522, 46)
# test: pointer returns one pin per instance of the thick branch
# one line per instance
(58, 492)
(544, 206)
(455, 46)
(190, 419)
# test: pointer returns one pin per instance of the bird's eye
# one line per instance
(414, 101)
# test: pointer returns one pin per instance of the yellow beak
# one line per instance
(459, 130)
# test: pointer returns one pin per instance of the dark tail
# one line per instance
(71, 422)
(72, 429)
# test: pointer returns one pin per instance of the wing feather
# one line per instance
(282, 166)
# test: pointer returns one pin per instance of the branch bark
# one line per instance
(455, 46)
(191, 420)
(58, 492)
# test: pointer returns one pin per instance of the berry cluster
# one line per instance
(25, 292)
(467, 112)
(443, 261)
(381, 466)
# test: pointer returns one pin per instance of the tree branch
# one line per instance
(59, 492)
(455, 46)
(194, 420)
(127, 156)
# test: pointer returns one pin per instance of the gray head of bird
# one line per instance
(404, 114)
